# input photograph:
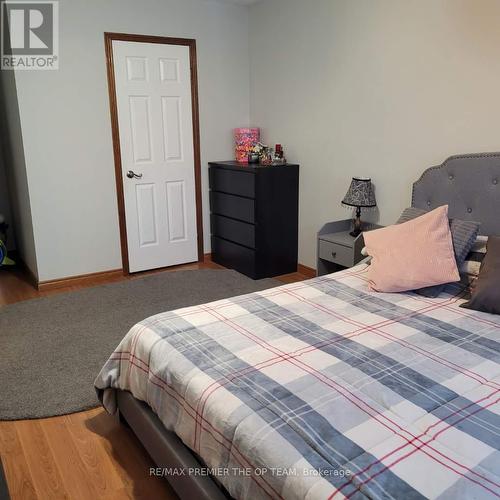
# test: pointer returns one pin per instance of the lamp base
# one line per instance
(357, 224)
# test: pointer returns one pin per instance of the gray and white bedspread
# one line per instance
(323, 389)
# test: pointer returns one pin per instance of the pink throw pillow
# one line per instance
(412, 255)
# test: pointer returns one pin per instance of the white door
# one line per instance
(153, 94)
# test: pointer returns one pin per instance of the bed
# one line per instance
(323, 389)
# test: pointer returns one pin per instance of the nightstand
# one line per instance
(337, 249)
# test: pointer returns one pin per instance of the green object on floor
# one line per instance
(4, 260)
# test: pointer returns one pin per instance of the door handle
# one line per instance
(132, 175)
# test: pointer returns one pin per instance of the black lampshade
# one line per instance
(360, 193)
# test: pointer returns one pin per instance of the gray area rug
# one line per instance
(53, 348)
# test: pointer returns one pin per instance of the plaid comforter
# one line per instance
(323, 389)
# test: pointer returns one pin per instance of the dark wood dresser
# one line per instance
(254, 217)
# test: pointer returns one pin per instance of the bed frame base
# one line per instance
(166, 449)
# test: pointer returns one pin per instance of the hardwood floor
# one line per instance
(84, 455)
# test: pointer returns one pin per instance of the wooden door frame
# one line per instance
(191, 43)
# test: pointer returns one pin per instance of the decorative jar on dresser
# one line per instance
(254, 217)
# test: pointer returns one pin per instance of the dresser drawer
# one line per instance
(233, 230)
(234, 256)
(232, 206)
(338, 254)
(232, 182)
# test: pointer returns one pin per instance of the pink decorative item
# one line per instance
(412, 255)
(245, 139)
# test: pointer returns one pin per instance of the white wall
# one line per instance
(15, 168)
(66, 124)
(380, 88)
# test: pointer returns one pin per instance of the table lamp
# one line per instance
(360, 195)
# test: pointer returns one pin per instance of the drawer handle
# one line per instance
(334, 254)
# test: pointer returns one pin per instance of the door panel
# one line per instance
(153, 94)
(176, 206)
(137, 68)
(169, 70)
(140, 123)
(146, 214)
(172, 128)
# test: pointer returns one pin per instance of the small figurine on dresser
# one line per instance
(260, 153)
(265, 155)
(255, 154)
(279, 155)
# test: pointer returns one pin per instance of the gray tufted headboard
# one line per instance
(469, 184)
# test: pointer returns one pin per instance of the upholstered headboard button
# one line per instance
(451, 177)
(469, 210)
(495, 181)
